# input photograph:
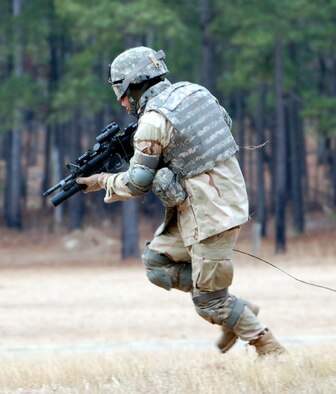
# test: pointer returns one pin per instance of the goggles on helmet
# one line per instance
(116, 86)
(118, 90)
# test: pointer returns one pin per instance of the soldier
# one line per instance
(184, 151)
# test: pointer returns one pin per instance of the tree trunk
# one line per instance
(53, 77)
(207, 71)
(261, 201)
(241, 130)
(280, 158)
(130, 225)
(296, 169)
(46, 179)
(57, 153)
(333, 171)
(333, 139)
(250, 166)
(14, 170)
(76, 203)
(130, 236)
(7, 196)
(28, 153)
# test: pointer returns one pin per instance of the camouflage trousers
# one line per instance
(211, 272)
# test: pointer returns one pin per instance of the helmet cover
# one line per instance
(134, 66)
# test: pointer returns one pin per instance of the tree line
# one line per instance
(271, 64)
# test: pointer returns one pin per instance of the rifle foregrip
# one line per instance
(62, 196)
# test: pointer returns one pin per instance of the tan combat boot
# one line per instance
(267, 344)
(228, 337)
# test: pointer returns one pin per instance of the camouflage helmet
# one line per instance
(135, 66)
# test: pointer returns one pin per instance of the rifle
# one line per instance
(113, 149)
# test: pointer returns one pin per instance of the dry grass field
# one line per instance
(94, 325)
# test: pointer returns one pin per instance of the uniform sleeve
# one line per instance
(150, 139)
(153, 133)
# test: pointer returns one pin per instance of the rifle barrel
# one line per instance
(64, 195)
(52, 189)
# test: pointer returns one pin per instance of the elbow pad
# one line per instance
(140, 175)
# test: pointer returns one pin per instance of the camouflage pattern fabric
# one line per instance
(212, 269)
(128, 60)
(201, 137)
(168, 188)
(216, 201)
(134, 66)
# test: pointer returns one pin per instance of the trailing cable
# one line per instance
(283, 271)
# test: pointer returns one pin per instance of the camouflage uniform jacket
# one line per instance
(216, 200)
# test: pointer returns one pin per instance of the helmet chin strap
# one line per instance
(133, 102)
(135, 98)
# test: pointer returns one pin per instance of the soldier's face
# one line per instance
(125, 103)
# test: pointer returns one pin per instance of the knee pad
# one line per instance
(237, 307)
(166, 273)
(184, 281)
(153, 262)
(211, 307)
(159, 278)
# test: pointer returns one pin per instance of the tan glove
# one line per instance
(94, 182)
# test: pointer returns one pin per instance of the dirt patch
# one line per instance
(90, 246)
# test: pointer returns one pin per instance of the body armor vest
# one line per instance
(202, 129)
